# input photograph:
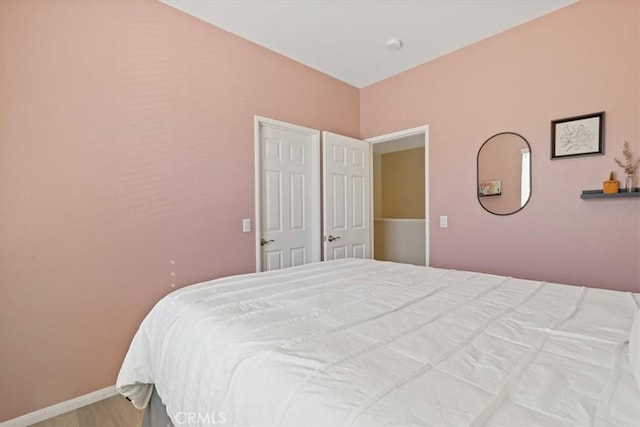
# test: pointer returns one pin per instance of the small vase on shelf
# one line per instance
(612, 185)
(629, 166)
(628, 183)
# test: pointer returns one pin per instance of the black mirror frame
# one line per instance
(478, 173)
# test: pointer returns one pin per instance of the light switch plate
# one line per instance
(246, 225)
(444, 221)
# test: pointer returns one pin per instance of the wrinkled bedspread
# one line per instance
(374, 343)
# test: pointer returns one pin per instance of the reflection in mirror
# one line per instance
(504, 173)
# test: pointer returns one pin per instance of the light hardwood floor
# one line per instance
(115, 411)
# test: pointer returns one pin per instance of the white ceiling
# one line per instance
(347, 38)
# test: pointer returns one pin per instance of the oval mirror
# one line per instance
(504, 173)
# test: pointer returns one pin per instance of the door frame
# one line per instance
(396, 135)
(316, 230)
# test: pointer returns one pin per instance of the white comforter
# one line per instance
(373, 343)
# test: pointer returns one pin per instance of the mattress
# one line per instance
(363, 342)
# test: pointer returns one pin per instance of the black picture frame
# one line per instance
(577, 136)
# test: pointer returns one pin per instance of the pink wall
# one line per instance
(126, 143)
(581, 59)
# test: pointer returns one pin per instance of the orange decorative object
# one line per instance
(610, 187)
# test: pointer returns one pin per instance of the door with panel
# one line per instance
(289, 187)
(346, 197)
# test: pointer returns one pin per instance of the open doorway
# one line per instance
(400, 197)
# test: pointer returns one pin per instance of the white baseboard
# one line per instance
(60, 408)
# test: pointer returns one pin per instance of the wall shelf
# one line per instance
(598, 194)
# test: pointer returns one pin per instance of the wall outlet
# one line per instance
(444, 221)
(246, 225)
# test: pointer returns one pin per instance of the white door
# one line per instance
(346, 196)
(288, 179)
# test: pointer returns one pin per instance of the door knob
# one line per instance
(331, 238)
(264, 242)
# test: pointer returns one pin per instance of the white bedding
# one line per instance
(372, 343)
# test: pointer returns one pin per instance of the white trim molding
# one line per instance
(61, 408)
(416, 220)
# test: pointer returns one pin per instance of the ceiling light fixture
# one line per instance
(394, 44)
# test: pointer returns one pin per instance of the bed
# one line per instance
(377, 343)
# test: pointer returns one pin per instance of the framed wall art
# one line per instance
(577, 136)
